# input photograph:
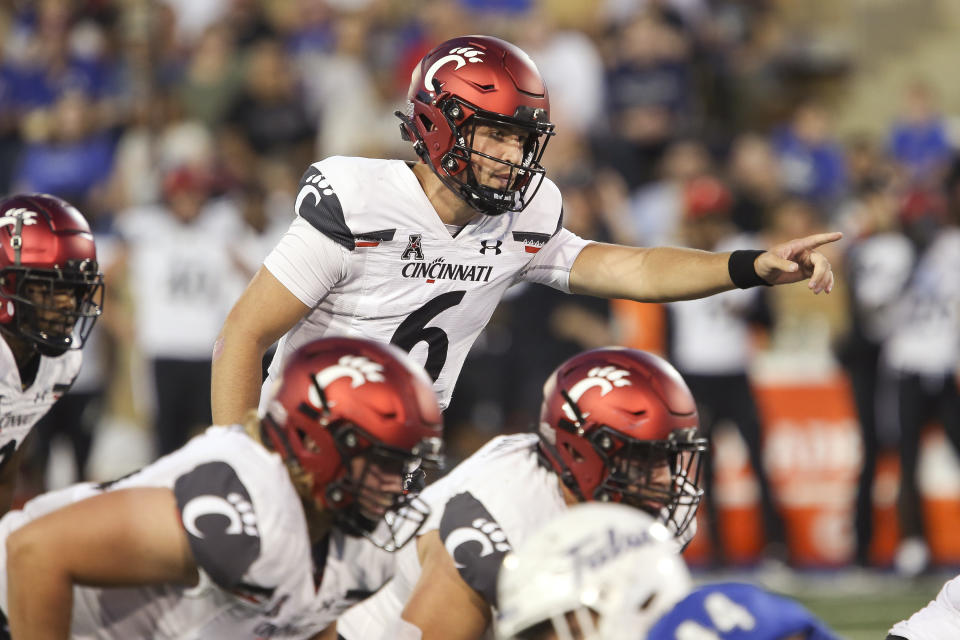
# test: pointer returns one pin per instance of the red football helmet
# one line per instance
(47, 250)
(621, 425)
(347, 411)
(476, 80)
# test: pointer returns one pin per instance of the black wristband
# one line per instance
(741, 269)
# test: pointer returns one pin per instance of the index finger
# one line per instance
(818, 239)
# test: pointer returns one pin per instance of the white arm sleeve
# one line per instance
(551, 266)
(307, 262)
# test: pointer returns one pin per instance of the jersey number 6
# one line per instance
(414, 329)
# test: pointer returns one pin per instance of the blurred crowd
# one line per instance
(181, 128)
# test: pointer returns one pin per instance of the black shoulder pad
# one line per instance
(476, 543)
(221, 525)
(318, 204)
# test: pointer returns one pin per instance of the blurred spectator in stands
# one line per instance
(269, 116)
(923, 352)
(648, 95)
(193, 17)
(342, 97)
(65, 154)
(571, 66)
(877, 265)
(811, 162)
(656, 209)
(178, 266)
(711, 345)
(212, 77)
(918, 139)
(754, 174)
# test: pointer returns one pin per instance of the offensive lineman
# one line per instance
(615, 425)
(420, 255)
(51, 292)
(248, 530)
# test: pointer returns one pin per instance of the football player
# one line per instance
(253, 530)
(51, 291)
(616, 425)
(419, 255)
(739, 611)
(598, 571)
(603, 572)
(939, 619)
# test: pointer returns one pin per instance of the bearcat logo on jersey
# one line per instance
(606, 378)
(438, 269)
(475, 542)
(532, 242)
(312, 186)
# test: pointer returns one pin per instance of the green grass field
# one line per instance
(857, 605)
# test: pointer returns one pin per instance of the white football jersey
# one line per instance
(939, 620)
(926, 334)
(404, 279)
(21, 408)
(248, 534)
(183, 277)
(487, 505)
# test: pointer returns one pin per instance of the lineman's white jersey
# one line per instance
(248, 534)
(21, 408)
(487, 505)
(370, 257)
(939, 620)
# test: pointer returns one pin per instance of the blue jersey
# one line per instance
(736, 611)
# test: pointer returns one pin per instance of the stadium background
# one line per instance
(117, 105)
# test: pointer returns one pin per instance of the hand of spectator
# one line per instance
(798, 259)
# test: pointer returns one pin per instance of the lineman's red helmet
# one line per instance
(469, 81)
(47, 249)
(344, 398)
(621, 425)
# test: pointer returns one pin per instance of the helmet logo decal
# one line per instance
(359, 369)
(604, 377)
(28, 217)
(460, 55)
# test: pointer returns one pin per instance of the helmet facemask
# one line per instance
(369, 497)
(54, 309)
(457, 167)
(659, 477)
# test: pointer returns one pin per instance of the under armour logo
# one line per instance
(414, 248)
(492, 245)
(28, 217)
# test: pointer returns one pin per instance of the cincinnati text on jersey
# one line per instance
(440, 270)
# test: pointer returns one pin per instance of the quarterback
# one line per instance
(51, 291)
(616, 425)
(258, 530)
(419, 255)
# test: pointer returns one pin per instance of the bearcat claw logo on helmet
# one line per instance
(25, 215)
(460, 55)
(359, 369)
(606, 378)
